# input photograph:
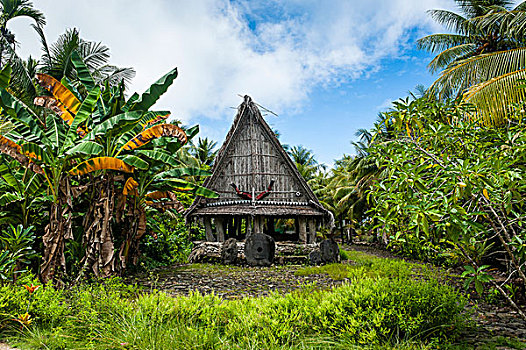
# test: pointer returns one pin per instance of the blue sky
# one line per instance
(326, 67)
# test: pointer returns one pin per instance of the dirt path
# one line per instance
(231, 282)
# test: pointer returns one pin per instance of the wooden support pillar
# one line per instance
(302, 225)
(271, 229)
(258, 224)
(248, 227)
(237, 227)
(220, 229)
(311, 237)
(208, 229)
(229, 233)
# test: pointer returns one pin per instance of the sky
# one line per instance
(325, 67)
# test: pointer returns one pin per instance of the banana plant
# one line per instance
(21, 192)
(154, 190)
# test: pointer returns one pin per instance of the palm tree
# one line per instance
(485, 60)
(304, 159)
(21, 77)
(470, 38)
(204, 151)
(57, 59)
(10, 9)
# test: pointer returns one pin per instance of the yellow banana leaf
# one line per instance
(130, 186)
(155, 120)
(101, 163)
(173, 202)
(60, 110)
(158, 195)
(154, 132)
(14, 150)
(59, 91)
(57, 107)
(5, 142)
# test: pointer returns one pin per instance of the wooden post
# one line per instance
(248, 227)
(311, 237)
(229, 233)
(208, 229)
(220, 229)
(302, 223)
(258, 224)
(237, 227)
(270, 225)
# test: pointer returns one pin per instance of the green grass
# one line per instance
(360, 265)
(378, 313)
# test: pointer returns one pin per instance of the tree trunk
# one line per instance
(97, 224)
(55, 233)
(134, 229)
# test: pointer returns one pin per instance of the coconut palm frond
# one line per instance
(60, 54)
(520, 7)
(446, 57)
(477, 69)
(451, 20)
(494, 97)
(439, 42)
(114, 75)
(45, 60)
(95, 55)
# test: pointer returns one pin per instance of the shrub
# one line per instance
(366, 311)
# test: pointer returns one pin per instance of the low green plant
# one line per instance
(476, 276)
(377, 311)
(15, 251)
(360, 264)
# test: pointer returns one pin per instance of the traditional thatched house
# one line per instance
(257, 184)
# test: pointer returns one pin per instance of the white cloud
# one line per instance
(219, 56)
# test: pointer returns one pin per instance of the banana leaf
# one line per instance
(84, 111)
(115, 124)
(10, 197)
(83, 72)
(7, 174)
(101, 163)
(160, 156)
(179, 172)
(184, 186)
(130, 186)
(5, 76)
(33, 185)
(86, 148)
(59, 91)
(58, 108)
(162, 130)
(150, 96)
(35, 152)
(26, 122)
(135, 161)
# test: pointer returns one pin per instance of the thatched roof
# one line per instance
(253, 159)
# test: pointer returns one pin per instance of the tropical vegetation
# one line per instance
(93, 181)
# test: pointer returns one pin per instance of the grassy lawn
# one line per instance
(384, 305)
